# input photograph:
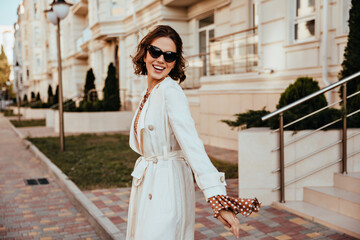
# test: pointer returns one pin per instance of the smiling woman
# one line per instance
(162, 201)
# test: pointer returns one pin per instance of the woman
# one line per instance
(162, 201)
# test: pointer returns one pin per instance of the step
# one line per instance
(349, 182)
(334, 199)
(323, 216)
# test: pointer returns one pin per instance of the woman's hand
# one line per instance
(229, 219)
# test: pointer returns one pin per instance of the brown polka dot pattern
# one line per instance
(245, 206)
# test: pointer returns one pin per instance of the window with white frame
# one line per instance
(304, 20)
(206, 32)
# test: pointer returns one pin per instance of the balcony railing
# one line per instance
(234, 53)
(86, 36)
(195, 70)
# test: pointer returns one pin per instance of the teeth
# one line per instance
(158, 68)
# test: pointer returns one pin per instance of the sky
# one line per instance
(8, 10)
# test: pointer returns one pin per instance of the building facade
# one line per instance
(241, 54)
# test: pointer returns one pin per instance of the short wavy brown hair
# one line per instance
(178, 72)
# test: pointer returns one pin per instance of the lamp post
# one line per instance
(58, 11)
(17, 68)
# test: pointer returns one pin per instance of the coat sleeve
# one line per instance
(207, 177)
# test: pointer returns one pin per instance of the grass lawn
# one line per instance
(29, 123)
(100, 161)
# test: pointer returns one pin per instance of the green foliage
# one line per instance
(89, 85)
(56, 97)
(251, 118)
(302, 87)
(4, 68)
(38, 97)
(92, 161)
(32, 96)
(351, 63)
(50, 100)
(111, 90)
(25, 99)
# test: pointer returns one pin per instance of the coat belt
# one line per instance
(143, 163)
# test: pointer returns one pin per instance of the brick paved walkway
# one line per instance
(268, 224)
(33, 212)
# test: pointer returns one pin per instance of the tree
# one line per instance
(90, 84)
(38, 99)
(56, 97)
(351, 63)
(32, 96)
(111, 90)
(4, 68)
(50, 100)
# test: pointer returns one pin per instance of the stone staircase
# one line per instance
(337, 207)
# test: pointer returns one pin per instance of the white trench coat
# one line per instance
(162, 201)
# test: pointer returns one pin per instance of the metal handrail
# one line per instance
(282, 144)
(309, 174)
(315, 152)
(317, 111)
(321, 91)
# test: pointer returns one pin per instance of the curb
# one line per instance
(101, 224)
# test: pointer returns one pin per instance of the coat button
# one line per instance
(150, 196)
(222, 179)
(151, 127)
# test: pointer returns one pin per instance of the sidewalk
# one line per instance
(33, 212)
(44, 211)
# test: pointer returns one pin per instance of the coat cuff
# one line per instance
(210, 180)
(214, 191)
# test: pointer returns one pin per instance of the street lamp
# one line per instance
(58, 11)
(17, 68)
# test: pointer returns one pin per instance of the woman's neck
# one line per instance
(151, 83)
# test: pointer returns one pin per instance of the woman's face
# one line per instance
(158, 68)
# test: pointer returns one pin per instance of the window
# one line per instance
(37, 36)
(36, 12)
(304, 21)
(206, 32)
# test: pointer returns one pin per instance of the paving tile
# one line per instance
(33, 212)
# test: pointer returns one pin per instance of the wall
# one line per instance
(257, 161)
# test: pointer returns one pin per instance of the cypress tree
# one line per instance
(111, 90)
(38, 99)
(89, 83)
(351, 63)
(32, 96)
(56, 97)
(50, 100)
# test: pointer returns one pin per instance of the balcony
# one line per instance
(82, 44)
(80, 7)
(234, 53)
(179, 3)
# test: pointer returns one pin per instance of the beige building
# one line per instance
(241, 53)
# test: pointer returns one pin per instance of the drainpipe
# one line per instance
(325, 49)
(134, 7)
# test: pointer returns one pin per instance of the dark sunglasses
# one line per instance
(156, 52)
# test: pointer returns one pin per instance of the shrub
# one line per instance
(32, 96)
(38, 97)
(302, 87)
(50, 100)
(251, 118)
(89, 85)
(111, 90)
